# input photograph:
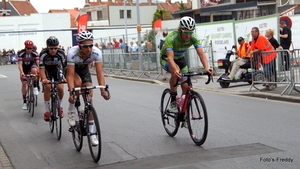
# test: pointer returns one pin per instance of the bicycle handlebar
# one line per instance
(91, 87)
(31, 75)
(191, 74)
(56, 82)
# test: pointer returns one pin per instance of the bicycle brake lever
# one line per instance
(209, 79)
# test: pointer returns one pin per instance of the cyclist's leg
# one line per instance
(47, 88)
(165, 65)
(71, 109)
(24, 83)
(183, 69)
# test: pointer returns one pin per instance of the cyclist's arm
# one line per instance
(43, 74)
(174, 69)
(203, 59)
(100, 75)
(70, 77)
(20, 66)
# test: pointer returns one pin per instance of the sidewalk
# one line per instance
(241, 88)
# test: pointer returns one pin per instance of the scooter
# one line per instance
(244, 76)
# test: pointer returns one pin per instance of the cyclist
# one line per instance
(28, 61)
(172, 55)
(52, 61)
(78, 73)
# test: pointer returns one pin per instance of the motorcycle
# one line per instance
(244, 76)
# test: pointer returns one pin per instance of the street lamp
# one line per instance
(125, 18)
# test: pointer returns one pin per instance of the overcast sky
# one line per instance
(43, 6)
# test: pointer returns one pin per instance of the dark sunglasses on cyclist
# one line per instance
(53, 48)
(86, 45)
(29, 48)
(187, 32)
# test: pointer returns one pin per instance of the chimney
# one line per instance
(109, 1)
(168, 1)
(149, 1)
(4, 4)
(77, 9)
(99, 1)
(119, 1)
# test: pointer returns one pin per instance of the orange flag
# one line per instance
(82, 23)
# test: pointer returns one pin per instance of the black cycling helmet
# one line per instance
(52, 41)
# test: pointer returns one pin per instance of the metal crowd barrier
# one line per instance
(129, 64)
(283, 69)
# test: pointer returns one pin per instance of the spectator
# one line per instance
(243, 57)
(109, 45)
(132, 48)
(270, 36)
(5, 56)
(1, 58)
(161, 43)
(122, 45)
(116, 44)
(260, 44)
(97, 46)
(285, 42)
(102, 45)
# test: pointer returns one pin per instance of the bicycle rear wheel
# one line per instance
(197, 119)
(57, 119)
(170, 120)
(35, 100)
(31, 102)
(94, 149)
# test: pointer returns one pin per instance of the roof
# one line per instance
(73, 14)
(23, 7)
(172, 7)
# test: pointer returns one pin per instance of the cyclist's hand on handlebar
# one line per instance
(105, 95)
(72, 99)
(210, 71)
(45, 81)
(177, 74)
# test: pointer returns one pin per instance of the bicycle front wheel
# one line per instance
(94, 134)
(52, 115)
(35, 100)
(57, 119)
(169, 119)
(31, 102)
(197, 119)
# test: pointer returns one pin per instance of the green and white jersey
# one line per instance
(175, 43)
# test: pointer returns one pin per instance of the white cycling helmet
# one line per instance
(187, 23)
(84, 36)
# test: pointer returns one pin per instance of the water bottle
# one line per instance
(181, 101)
(80, 113)
(178, 101)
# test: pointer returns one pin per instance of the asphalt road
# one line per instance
(244, 132)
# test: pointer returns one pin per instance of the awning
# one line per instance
(288, 10)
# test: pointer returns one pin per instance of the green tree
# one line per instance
(149, 36)
(181, 6)
(158, 15)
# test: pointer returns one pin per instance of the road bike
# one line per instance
(55, 110)
(192, 113)
(81, 127)
(31, 98)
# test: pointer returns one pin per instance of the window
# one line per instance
(122, 14)
(90, 15)
(99, 15)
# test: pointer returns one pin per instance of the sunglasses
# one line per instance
(187, 32)
(86, 45)
(55, 48)
(29, 48)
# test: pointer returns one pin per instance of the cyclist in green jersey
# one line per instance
(172, 54)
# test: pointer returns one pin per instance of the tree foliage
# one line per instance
(158, 15)
(181, 6)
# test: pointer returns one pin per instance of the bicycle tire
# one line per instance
(27, 100)
(197, 118)
(57, 119)
(31, 102)
(52, 114)
(94, 150)
(170, 120)
(35, 99)
(77, 133)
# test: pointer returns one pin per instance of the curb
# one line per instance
(270, 96)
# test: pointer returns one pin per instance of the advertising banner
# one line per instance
(82, 23)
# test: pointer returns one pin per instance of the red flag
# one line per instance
(157, 25)
(82, 23)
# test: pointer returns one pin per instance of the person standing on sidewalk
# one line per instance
(260, 44)
(285, 43)
(243, 58)
(161, 43)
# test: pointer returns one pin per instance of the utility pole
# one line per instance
(139, 29)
